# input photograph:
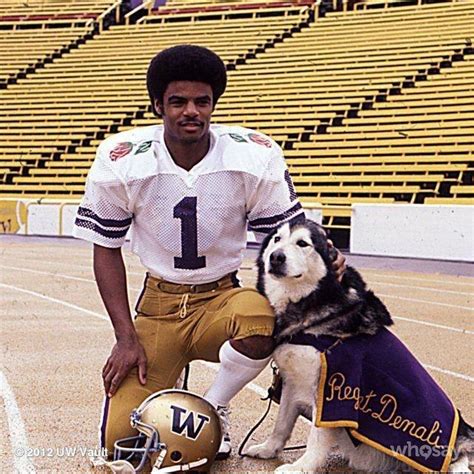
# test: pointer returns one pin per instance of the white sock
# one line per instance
(235, 372)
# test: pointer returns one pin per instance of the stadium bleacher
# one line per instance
(34, 32)
(49, 12)
(369, 105)
(65, 109)
(346, 72)
(22, 50)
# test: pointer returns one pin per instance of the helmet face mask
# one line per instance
(135, 450)
(178, 431)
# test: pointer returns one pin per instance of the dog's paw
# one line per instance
(262, 451)
(301, 466)
(289, 468)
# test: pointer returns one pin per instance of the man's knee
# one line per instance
(252, 316)
(254, 347)
(254, 320)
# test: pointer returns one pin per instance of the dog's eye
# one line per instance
(277, 238)
(302, 243)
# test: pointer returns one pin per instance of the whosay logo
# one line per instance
(187, 423)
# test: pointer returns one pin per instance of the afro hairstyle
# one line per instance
(185, 62)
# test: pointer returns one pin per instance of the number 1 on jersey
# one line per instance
(186, 210)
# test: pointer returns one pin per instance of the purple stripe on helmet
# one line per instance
(103, 422)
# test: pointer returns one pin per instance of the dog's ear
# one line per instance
(261, 264)
(318, 234)
(260, 271)
(319, 237)
(315, 228)
(332, 253)
(322, 230)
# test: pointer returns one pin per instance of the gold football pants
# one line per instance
(177, 324)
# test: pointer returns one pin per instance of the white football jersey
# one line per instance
(187, 226)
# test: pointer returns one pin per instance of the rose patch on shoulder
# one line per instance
(260, 140)
(120, 150)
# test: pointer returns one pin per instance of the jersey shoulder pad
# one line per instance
(245, 136)
(248, 151)
(124, 145)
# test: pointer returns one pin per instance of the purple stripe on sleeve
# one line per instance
(275, 220)
(111, 234)
(84, 212)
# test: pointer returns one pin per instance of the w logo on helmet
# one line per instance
(187, 423)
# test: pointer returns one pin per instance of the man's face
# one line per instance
(186, 111)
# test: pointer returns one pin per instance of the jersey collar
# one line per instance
(204, 165)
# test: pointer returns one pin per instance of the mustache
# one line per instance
(191, 122)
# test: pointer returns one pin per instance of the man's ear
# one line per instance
(158, 107)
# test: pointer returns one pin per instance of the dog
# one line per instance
(295, 274)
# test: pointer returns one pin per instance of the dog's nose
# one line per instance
(277, 258)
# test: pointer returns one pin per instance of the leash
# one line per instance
(254, 428)
(272, 390)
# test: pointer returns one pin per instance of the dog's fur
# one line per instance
(295, 273)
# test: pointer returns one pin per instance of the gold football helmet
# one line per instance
(179, 431)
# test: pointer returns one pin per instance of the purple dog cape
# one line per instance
(374, 387)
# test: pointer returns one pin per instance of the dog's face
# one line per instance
(293, 256)
(294, 253)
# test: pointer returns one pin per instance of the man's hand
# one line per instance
(338, 260)
(123, 358)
